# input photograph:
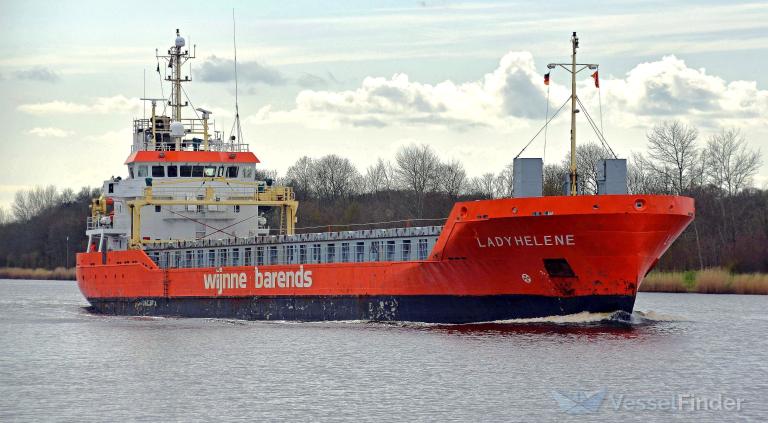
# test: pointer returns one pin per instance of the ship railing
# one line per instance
(216, 145)
(225, 193)
(360, 250)
(191, 126)
(143, 142)
(366, 234)
(96, 223)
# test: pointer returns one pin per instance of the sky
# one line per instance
(362, 78)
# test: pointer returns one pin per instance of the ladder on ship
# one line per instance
(283, 220)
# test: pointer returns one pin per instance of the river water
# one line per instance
(684, 357)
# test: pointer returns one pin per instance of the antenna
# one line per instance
(236, 126)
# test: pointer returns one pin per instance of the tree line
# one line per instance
(44, 227)
(417, 187)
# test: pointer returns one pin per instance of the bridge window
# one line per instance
(200, 258)
(360, 252)
(232, 172)
(220, 173)
(223, 259)
(141, 171)
(235, 257)
(211, 258)
(345, 252)
(158, 171)
(197, 171)
(173, 171)
(185, 171)
(189, 256)
(209, 171)
(330, 253)
(405, 250)
(273, 255)
(423, 249)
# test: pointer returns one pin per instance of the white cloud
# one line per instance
(669, 89)
(99, 105)
(493, 101)
(50, 132)
(216, 69)
(514, 95)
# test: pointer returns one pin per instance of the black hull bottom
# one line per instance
(420, 308)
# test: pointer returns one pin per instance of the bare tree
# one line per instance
(554, 179)
(416, 169)
(300, 177)
(5, 216)
(643, 179)
(67, 196)
(380, 177)
(335, 177)
(587, 157)
(29, 203)
(730, 165)
(451, 178)
(505, 182)
(672, 148)
(484, 186)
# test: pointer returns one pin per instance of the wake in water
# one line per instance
(585, 318)
(615, 320)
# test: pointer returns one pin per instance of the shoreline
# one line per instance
(59, 273)
(707, 281)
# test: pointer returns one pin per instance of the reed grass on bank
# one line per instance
(708, 281)
(59, 273)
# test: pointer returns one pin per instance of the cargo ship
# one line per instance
(187, 234)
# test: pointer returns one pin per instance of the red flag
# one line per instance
(546, 78)
(597, 79)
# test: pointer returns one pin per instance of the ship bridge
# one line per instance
(186, 181)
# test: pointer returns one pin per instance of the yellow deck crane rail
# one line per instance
(266, 196)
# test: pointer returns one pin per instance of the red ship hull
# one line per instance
(494, 260)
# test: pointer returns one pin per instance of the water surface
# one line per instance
(58, 362)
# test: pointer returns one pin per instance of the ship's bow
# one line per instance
(591, 252)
